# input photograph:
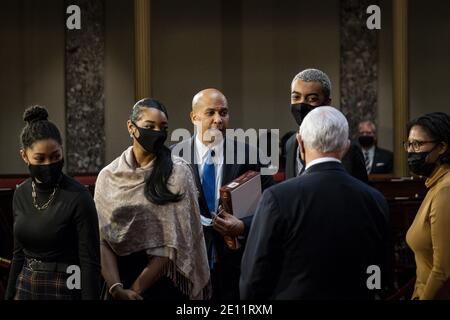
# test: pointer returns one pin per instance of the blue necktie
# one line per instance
(209, 182)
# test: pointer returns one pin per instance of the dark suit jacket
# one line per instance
(226, 284)
(353, 160)
(382, 161)
(314, 236)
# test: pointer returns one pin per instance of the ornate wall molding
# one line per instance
(358, 63)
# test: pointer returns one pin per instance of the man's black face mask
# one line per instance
(300, 110)
(366, 141)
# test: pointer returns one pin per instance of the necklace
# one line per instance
(45, 205)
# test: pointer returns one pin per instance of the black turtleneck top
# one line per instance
(66, 232)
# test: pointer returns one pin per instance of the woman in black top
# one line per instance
(56, 237)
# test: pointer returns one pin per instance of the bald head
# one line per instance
(209, 111)
(208, 97)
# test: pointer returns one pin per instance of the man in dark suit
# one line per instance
(312, 88)
(377, 160)
(319, 235)
(206, 152)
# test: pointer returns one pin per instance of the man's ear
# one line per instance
(328, 102)
(24, 156)
(194, 117)
(299, 138)
(301, 147)
(346, 148)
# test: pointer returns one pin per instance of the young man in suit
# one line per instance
(207, 155)
(377, 160)
(311, 88)
(317, 236)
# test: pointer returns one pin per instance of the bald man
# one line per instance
(210, 116)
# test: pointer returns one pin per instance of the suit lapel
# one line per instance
(201, 199)
(227, 169)
(376, 157)
(291, 159)
(193, 164)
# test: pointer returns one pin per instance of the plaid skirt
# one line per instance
(43, 285)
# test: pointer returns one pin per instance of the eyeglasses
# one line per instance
(416, 144)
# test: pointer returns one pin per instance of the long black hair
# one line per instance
(156, 189)
(437, 125)
(38, 127)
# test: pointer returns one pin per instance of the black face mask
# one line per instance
(366, 141)
(417, 164)
(151, 140)
(46, 175)
(300, 110)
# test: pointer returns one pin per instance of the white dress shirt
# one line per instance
(321, 160)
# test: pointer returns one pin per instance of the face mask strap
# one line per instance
(429, 152)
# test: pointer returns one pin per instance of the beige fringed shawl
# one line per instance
(130, 223)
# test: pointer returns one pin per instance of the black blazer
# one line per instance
(382, 161)
(314, 236)
(226, 284)
(229, 173)
(353, 160)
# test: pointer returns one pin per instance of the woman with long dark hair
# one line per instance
(55, 223)
(152, 243)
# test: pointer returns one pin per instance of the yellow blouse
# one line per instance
(429, 238)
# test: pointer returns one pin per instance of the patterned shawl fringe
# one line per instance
(184, 284)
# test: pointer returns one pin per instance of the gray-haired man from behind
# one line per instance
(319, 235)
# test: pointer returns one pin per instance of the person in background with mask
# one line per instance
(311, 88)
(152, 243)
(429, 235)
(55, 222)
(376, 160)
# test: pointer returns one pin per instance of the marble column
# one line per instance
(358, 63)
(84, 73)
(142, 48)
(400, 83)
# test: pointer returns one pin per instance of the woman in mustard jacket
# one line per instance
(429, 235)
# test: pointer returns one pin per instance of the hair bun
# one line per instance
(35, 113)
